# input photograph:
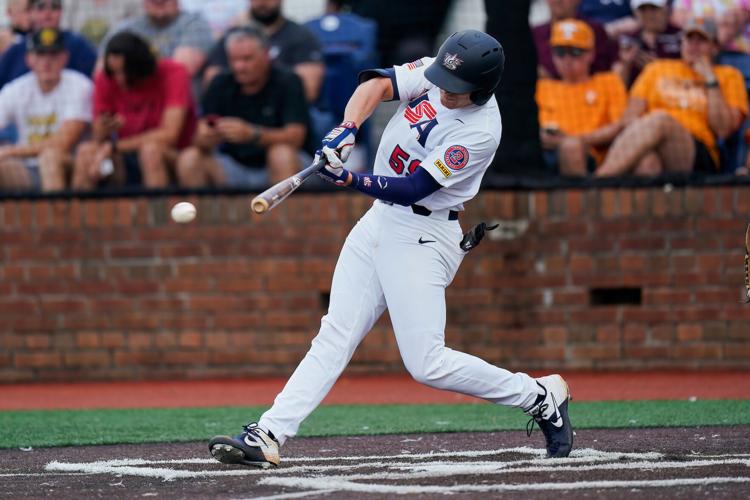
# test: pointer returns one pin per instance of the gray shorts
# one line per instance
(32, 169)
(239, 175)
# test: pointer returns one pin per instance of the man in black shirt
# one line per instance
(256, 115)
(290, 44)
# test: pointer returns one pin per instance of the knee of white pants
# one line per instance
(427, 369)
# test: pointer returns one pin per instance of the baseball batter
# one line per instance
(406, 250)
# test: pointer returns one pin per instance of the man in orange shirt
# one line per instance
(579, 115)
(678, 109)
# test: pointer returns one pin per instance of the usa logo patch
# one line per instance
(456, 157)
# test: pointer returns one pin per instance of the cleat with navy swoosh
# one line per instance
(551, 414)
(252, 447)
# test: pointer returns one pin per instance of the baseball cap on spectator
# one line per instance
(704, 26)
(47, 41)
(572, 33)
(634, 4)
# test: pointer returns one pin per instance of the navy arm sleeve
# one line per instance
(400, 190)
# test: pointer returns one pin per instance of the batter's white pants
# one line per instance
(382, 264)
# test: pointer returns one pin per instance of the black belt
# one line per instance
(420, 210)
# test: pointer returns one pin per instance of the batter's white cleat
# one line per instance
(252, 447)
(551, 414)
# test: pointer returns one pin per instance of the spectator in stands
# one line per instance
(184, 37)
(655, 38)
(19, 23)
(51, 106)
(579, 114)
(256, 115)
(47, 14)
(678, 110)
(143, 114)
(605, 49)
(732, 18)
(220, 14)
(615, 15)
(291, 44)
(94, 18)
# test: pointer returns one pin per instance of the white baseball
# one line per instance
(183, 212)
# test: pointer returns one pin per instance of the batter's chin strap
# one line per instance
(474, 236)
(747, 265)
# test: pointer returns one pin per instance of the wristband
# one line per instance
(712, 84)
(256, 134)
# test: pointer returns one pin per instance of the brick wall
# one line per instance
(112, 289)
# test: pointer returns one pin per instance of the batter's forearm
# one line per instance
(366, 98)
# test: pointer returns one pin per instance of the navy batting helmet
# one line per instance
(468, 61)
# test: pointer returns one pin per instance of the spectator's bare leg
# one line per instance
(655, 130)
(677, 150)
(649, 166)
(572, 157)
(53, 169)
(198, 168)
(86, 165)
(152, 157)
(13, 175)
(283, 161)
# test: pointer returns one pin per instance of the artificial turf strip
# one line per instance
(46, 428)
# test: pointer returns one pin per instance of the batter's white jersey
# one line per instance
(455, 146)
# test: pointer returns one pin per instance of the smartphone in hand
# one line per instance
(212, 119)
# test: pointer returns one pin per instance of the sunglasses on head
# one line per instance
(568, 51)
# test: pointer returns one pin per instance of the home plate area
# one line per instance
(661, 463)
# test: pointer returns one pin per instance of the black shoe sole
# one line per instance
(228, 454)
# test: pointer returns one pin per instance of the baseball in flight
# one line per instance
(183, 212)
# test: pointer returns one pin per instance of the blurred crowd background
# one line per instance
(155, 94)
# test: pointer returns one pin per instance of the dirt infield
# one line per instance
(711, 462)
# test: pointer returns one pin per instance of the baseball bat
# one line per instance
(277, 193)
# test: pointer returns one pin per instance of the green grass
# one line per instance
(85, 427)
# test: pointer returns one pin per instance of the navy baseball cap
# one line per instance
(46, 41)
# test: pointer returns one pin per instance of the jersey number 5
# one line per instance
(398, 160)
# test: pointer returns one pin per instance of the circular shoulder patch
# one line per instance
(456, 157)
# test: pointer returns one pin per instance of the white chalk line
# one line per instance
(300, 494)
(413, 466)
(343, 485)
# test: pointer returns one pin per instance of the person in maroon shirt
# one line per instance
(656, 38)
(605, 51)
(143, 115)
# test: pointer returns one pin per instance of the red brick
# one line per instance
(87, 359)
(191, 339)
(87, 340)
(38, 359)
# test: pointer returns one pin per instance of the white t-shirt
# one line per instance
(456, 146)
(38, 115)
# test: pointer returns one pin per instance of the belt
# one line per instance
(426, 212)
(420, 210)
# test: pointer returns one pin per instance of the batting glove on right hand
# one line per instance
(333, 170)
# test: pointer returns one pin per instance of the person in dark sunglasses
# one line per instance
(579, 114)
